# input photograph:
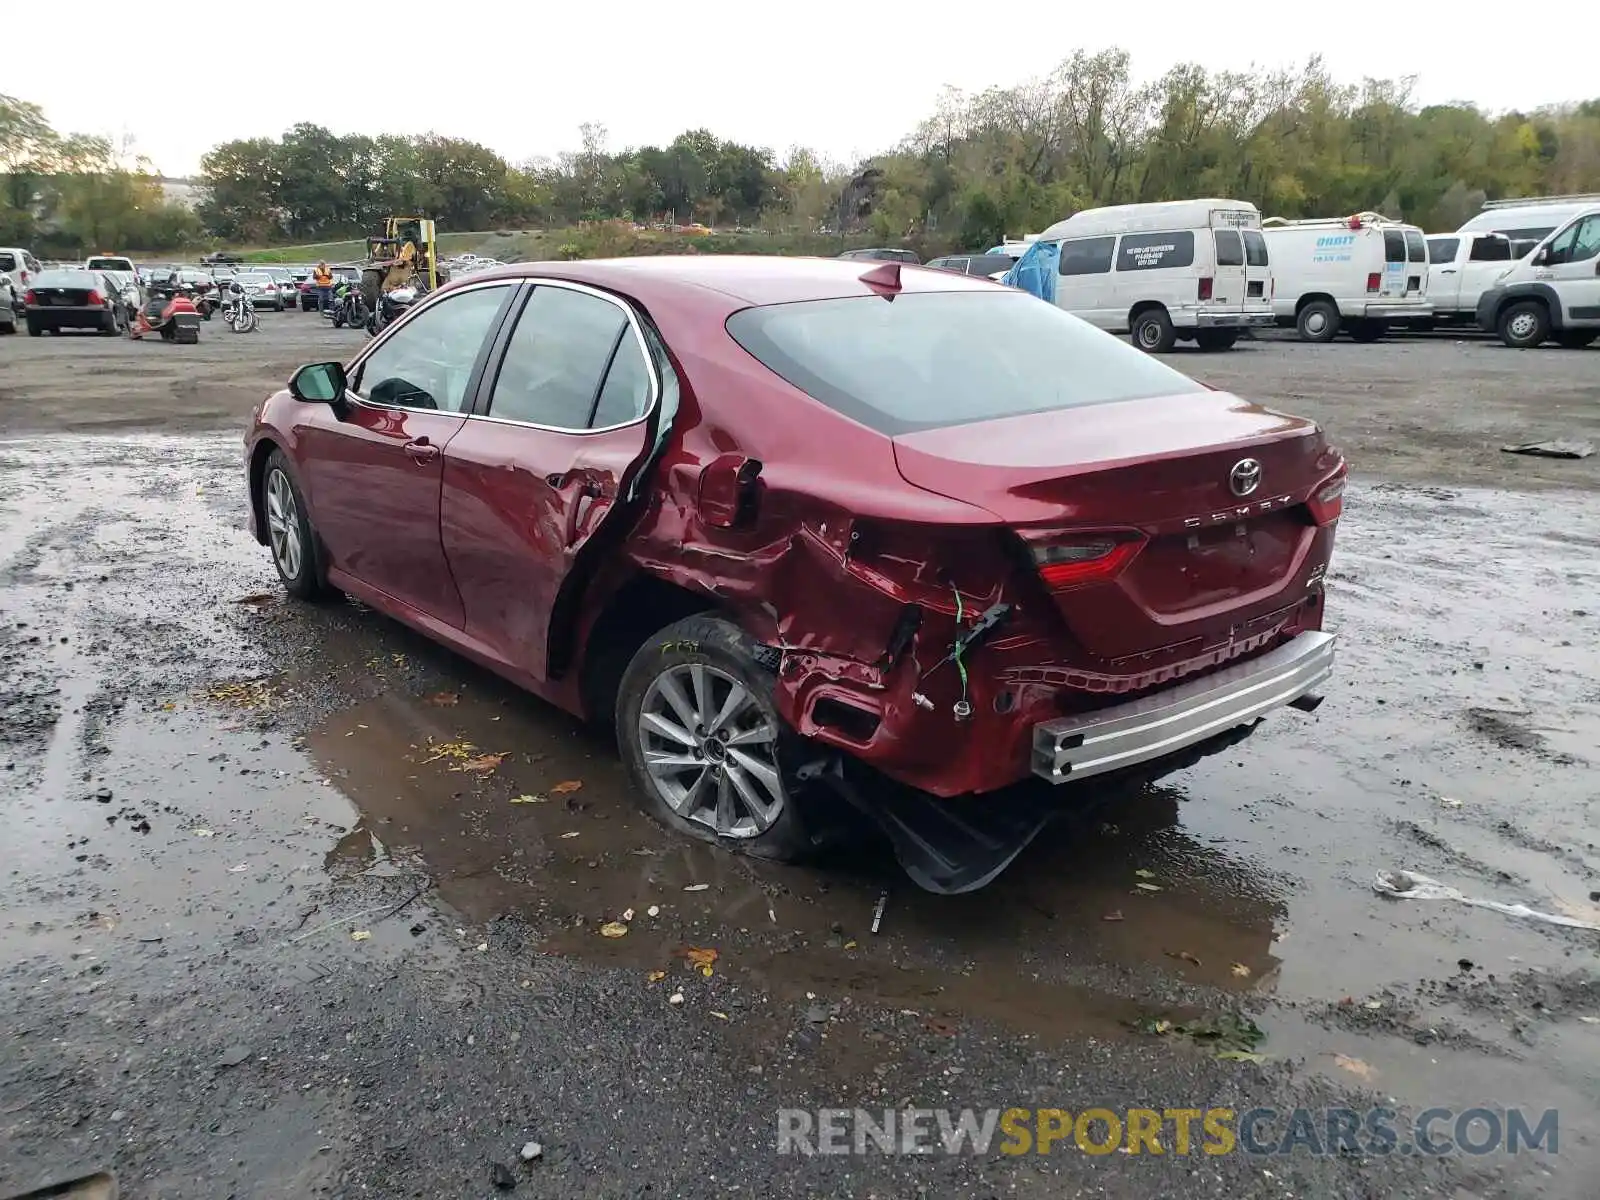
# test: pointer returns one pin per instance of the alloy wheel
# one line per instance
(283, 524)
(711, 751)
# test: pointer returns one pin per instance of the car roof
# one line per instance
(752, 279)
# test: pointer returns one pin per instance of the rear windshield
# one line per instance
(1255, 249)
(934, 359)
(1394, 246)
(988, 264)
(66, 279)
(1416, 247)
(1490, 249)
(108, 264)
(1230, 250)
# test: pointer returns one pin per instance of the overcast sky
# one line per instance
(847, 79)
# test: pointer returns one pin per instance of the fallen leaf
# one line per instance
(849, 945)
(1184, 956)
(697, 887)
(1354, 1065)
(254, 598)
(1114, 915)
(701, 959)
(1143, 874)
(359, 935)
(566, 786)
(573, 834)
(482, 764)
(942, 1028)
(1241, 1056)
(1146, 887)
(720, 1015)
(445, 699)
(613, 929)
(204, 832)
(656, 976)
(527, 799)
(1240, 970)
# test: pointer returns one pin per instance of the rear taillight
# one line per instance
(1090, 558)
(30, 297)
(1375, 282)
(1327, 502)
(1205, 287)
(94, 300)
(24, 278)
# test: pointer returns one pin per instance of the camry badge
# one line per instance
(1245, 477)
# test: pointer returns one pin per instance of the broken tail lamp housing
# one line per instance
(1074, 562)
(1327, 502)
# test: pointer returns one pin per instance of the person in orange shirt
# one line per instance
(322, 280)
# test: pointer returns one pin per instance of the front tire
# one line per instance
(1523, 325)
(289, 533)
(703, 743)
(1212, 340)
(1368, 331)
(1152, 331)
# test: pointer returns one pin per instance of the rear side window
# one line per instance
(558, 365)
(1255, 249)
(1087, 256)
(8, 262)
(1230, 250)
(1443, 250)
(1490, 249)
(1394, 246)
(934, 359)
(1416, 247)
(1155, 251)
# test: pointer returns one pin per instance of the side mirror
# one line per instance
(319, 383)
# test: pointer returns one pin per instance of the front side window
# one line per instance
(572, 363)
(8, 262)
(1087, 256)
(1579, 242)
(1155, 251)
(1255, 249)
(427, 362)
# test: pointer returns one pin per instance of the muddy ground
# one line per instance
(208, 791)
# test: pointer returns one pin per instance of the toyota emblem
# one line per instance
(1245, 477)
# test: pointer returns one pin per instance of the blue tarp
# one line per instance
(1035, 271)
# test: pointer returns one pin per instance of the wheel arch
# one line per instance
(1543, 293)
(1144, 306)
(630, 613)
(1312, 297)
(259, 455)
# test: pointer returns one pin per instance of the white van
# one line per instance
(1529, 218)
(1187, 270)
(1360, 274)
(1553, 293)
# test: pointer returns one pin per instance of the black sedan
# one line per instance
(73, 299)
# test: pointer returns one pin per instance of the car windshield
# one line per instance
(932, 359)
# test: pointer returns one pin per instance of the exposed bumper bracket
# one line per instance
(1154, 726)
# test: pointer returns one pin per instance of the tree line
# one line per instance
(1004, 161)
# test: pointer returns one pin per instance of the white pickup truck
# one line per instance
(1462, 266)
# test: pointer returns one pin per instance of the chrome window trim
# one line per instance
(643, 346)
(638, 340)
(351, 396)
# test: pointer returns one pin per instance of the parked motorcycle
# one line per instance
(169, 312)
(238, 310)
(349, 307)
(391, 307)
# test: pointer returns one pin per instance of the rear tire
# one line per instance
(1577, 339)
(1216, 339)
(1523, 325)
(1318, 321)
(704, 745)
(35, 329)
(1152, 331)
(1368, 331)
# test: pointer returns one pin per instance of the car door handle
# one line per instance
(1447, 270)
(421, 450)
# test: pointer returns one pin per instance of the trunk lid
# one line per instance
(61, 297)
(1159, 470)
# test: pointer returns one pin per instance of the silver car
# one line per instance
(262, 289)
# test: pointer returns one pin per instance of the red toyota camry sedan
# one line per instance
(771, 516)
